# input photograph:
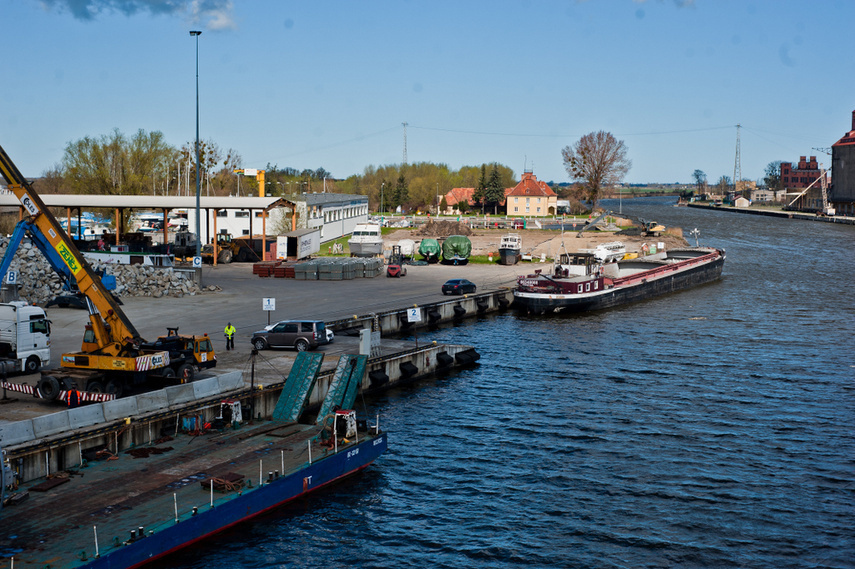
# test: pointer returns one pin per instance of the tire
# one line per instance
(225, 256)
(48, 386)
(243, 255)
(32, 365)
(168, 373)
(95, 386)
(301, 345)
(259, 344)
(186, 372)
(473, 290)
(115, 387)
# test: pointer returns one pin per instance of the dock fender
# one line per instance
(408, 369)
(482, 305)
(503, 302)
(434, 315)
(378, 378)
(459, 311)
(443, 360)
(404, 321)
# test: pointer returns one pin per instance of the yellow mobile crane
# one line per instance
(114, 357)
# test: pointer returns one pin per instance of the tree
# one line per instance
(113, 164)
(700, 179)
(479, 196)
(723, 184)
(495, 192)
(598, 160)
(773, 179)
(402, 192)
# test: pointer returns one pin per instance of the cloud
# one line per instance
(215, 14)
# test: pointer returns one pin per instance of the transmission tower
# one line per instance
(737, 164)
(405, 143)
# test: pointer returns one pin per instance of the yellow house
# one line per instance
(531, 198)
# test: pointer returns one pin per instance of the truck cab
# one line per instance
(24, 336)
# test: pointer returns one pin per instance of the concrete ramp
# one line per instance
(301, 380)
(344, 385)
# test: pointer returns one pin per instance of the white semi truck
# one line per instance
(24, 337)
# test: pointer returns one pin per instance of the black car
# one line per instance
(458, 286)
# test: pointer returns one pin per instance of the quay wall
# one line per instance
(454, 309)
(778, 213)
(60, 441)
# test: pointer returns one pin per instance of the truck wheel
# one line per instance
(302, 345)
(114, 387)
(33, 364)
(168, 373)
(48, 386)
(225, 256)
(186, 372)
(243, 255)
(94, 386)
(259, 344)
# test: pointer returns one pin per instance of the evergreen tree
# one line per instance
(480, 193)
(495, 192)
(402, 192)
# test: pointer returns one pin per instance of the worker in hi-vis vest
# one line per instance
(230, 336)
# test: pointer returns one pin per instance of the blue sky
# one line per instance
(328, 83)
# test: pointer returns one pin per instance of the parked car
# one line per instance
(330, 336)
(458, 286)
(299, 334)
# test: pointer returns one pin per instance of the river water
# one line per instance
(708, 428)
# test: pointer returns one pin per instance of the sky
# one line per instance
(329, 83)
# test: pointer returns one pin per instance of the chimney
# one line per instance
(853, 120)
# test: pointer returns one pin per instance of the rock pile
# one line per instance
(435, 228)
(38, 283)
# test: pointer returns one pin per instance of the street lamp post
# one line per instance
(383, 185)
(196, 34)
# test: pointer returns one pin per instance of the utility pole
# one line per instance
(196, 34)
(405, 143)
(737, 165)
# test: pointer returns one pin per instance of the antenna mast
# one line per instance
(405, 143)
(737, 164)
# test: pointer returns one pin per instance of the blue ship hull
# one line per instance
(250, 503)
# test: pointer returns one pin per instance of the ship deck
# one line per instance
(122, 493)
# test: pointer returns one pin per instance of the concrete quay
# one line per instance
(44, 438)
(805, 216)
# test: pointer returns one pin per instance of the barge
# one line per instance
(583, 281)
(125, 508)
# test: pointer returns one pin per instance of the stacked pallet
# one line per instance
(265, 268)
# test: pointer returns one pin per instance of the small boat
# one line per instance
(366, 240)
(582, 281)
(510, 249)
(408, 248)
(608, 252)
(429, 249)
(456, 250)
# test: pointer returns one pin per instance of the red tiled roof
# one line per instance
(530, 186)
(457, 195)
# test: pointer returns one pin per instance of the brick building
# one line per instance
(802, 175)
(842, 191)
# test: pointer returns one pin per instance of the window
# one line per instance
(222, 213)
(587, 287)
(241, 213)
(39, 326)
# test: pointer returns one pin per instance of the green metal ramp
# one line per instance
(298, 386)
(342, 392)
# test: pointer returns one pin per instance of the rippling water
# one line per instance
(709, 428)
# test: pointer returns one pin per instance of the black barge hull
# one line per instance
(539, 303)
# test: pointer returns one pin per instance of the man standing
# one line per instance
(230, 336)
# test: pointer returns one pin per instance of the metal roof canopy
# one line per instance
(120, 203)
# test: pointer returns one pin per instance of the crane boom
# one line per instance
(121, 331)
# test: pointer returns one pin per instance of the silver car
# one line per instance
(299, 334)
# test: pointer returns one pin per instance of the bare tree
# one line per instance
(597, 160)
(700, 179)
